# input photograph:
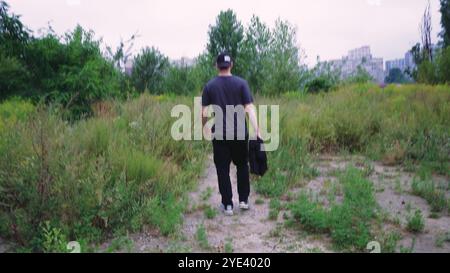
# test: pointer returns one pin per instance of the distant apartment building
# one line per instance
(360, 57)
(407, 63)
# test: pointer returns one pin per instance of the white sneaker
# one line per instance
(228, 211)
(244, 206)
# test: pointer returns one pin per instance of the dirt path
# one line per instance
(246, 231)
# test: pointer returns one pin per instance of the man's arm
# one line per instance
(250, 109)
(204, 114)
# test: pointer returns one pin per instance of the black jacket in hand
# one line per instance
(257, 157)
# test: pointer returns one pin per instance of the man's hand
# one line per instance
(258, 134)
(207, 132)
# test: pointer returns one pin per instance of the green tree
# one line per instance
(149, 70)
(443, 65)
(445, 22)
(227, 35)
(14, 37)
(180, 79)
(284, 60)
(323, 77)
(395, 76)
(426, 73)
(13, 34)
(256, 53)
(13, 76)
(120, 56)
(203, 70)
(70, 70)
(360, 76)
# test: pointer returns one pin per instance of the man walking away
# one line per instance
(230, 134)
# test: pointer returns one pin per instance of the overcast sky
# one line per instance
(328, 28)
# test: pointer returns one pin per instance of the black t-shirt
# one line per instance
(223, 91)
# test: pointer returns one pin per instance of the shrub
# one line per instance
(94, 177)
(71, 71)
(149, 70)
(437, 71)
(180, 80)
(319, 84)
(13, 76)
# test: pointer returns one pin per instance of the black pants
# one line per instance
(226, 151)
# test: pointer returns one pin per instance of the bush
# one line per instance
(73, 72)
(93, 178)
(13, 76)
(180, 80)
(360, 76)
(149, 70)
(436, 72)
(69, 70)
(319, 84)
(443, 66)
(396, 76)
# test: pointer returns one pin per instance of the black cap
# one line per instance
(224, 60)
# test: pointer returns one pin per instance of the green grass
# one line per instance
(398, 124)
(277, 231)
(426, 188)
(210, 213)
(119, 171)
(112, 173)
(275, 207)
(289, 165)
(416, 223)
(389, 241)
(259, 201)
(398, 187)
(348, 223)
(14, 110)
(442, 239)
(202, 237)
(228, 247)
(206, 194)
(121, 243)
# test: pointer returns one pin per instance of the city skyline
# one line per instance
(179, 29)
